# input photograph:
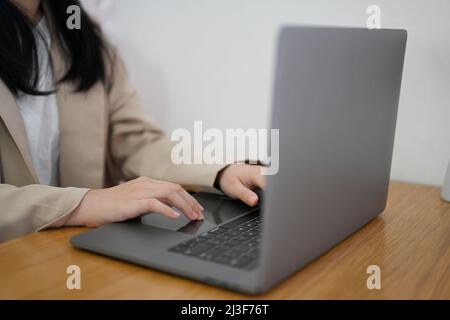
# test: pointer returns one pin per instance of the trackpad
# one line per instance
(160, 221)
(218, 209)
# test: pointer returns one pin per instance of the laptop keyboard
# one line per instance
(235, 243)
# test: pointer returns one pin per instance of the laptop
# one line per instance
(335, 100)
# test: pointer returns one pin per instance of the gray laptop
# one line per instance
(335, 101)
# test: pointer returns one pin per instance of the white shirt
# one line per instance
(40, 114)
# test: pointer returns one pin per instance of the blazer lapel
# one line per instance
(83, 127)
(10, 113)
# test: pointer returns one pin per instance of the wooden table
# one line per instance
(410, 242)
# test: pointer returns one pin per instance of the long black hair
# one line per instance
(84, 49)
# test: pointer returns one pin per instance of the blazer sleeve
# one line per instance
(139, 147)
(35, 207)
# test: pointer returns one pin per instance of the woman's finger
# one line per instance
(177, 201)
(192, 202)
(173, 195)
(243, 193)
(154, 205)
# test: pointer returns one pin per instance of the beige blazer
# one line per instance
(105, 138)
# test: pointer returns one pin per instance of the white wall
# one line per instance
(213, 59)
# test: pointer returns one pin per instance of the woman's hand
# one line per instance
(132, 199)
(238, 180)
(142, 195)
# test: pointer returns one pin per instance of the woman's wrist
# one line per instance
(219, 177)
(78, 217)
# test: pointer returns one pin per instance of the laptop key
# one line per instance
(213, 242)
(252, 243)
(197, 249)
(223, 259)
(232, 233)
(241, 261)
(243, 238)
(185, 244)
(241, 248)
(234, 242)
(177, 249)
(224, 248)
(218, 230)
(223, 237)
(206, 235)
(212, 253)
(251, 233)
(241, 220)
